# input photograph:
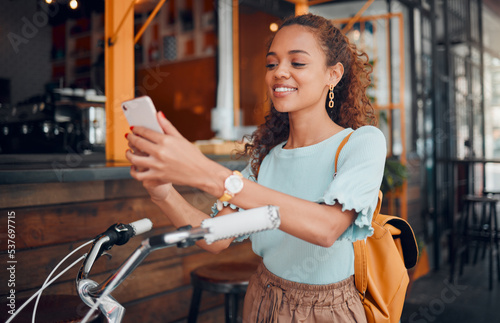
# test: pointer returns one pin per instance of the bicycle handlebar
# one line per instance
(119, 234)
(213, 229)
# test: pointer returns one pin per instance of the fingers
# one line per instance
(153, 136)
(148, 134)
(137, 143)
(161, 156)
(140, 163)
(136, 150)
(138, 174)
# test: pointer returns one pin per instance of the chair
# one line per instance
(229, 278)
(479, 230)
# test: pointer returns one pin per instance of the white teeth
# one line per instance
(284, 89)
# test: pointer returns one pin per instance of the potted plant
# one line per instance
(395, 174)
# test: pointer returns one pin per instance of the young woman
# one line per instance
(317, 83)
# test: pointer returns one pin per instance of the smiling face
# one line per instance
(297, 76)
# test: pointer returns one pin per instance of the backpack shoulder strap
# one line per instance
(360, 266)
(360, 259)
(342, 144)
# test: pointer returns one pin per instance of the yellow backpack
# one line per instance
(381, 263)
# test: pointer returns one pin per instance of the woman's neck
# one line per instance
(310, 129)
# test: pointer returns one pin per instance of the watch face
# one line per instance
(234, 184)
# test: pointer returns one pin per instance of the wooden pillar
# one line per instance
(119, 75)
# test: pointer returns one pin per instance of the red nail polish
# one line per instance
(162, 115)
(126, 135)
(132, 128)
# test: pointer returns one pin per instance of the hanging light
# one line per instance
(273, 27)
(48, 1)
(73, 4)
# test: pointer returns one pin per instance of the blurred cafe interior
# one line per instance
(66, 66)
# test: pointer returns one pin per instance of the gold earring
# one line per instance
(330, 104)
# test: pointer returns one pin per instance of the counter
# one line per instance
(72, 167)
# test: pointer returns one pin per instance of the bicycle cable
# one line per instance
(48, 284)
(51, 273)
(121, 233)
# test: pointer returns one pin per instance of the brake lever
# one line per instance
(95, 252)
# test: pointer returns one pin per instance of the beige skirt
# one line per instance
(270, 298)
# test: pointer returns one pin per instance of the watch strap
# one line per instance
(226, 197)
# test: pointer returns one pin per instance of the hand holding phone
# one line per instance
(141, 112)
(155, 155)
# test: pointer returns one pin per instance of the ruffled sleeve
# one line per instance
(247, 173)
(359, 174)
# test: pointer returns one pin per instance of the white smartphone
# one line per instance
(141, 112)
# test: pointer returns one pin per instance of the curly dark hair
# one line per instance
(352, 105)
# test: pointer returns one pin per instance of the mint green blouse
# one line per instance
(307, 173)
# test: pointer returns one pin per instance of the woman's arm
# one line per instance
(174, 206)
(319, 224)
(171, 158)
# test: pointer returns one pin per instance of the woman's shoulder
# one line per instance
(367, 140)
(368, 131)
(368, 135)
